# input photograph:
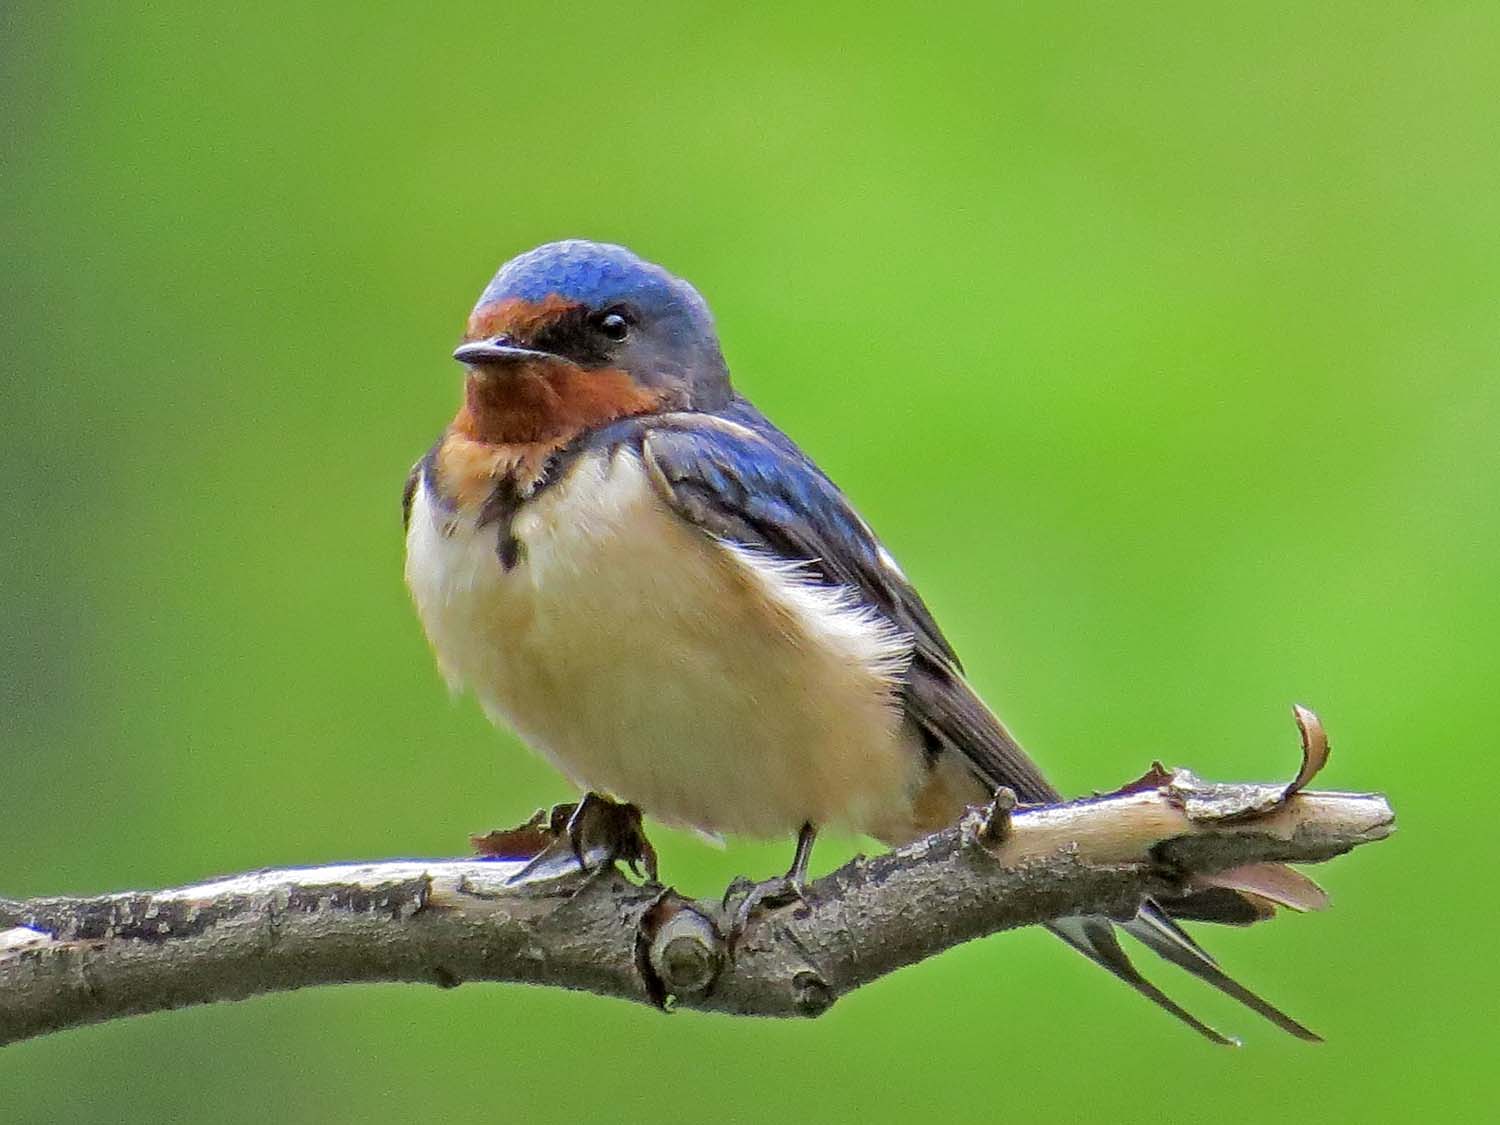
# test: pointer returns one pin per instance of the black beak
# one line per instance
(497, 349)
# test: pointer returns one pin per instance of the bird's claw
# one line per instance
(595, 833)
(770, 894)
(753, 898)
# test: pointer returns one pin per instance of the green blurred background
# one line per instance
(1161, 347)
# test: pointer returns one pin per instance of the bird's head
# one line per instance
(574, 335)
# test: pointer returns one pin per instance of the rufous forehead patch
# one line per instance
(516, 317)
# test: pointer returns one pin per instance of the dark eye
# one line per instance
(614, 325)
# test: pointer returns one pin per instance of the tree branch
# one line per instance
(65, 962)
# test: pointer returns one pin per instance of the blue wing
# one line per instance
(738, 477)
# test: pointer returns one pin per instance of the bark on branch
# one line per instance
(65, 962)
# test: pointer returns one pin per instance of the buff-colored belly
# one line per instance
(647, 660)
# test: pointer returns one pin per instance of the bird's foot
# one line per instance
(743, 898)
(594, 833)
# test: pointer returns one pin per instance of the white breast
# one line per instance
(713, 687)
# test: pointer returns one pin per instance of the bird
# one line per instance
(632, 568)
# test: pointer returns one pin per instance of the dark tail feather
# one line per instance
(1167, 939)
(1219, 905)
(1095, 939)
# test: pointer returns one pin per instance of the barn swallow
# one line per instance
(660, 593)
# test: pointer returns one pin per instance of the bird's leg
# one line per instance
(796, 875)
(592, 825)
(771, 893)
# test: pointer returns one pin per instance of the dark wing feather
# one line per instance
(748, 483)
(423, 468)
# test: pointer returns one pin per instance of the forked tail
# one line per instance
(1095, 938)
